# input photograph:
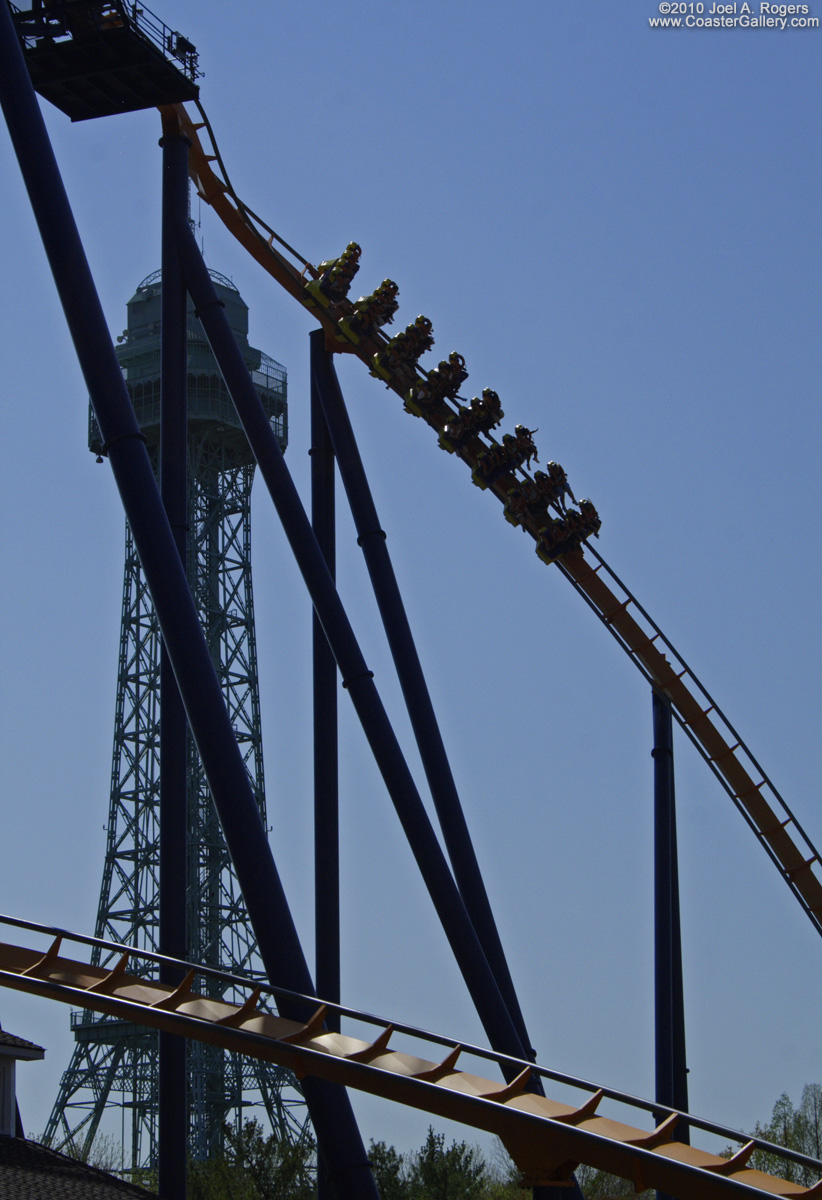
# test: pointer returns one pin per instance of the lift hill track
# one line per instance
(767, 813)
(546, 1138)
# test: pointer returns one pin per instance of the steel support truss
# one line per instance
(115, 1065)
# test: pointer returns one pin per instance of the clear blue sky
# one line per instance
(619, 229)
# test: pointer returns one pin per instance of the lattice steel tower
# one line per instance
(114, 1064)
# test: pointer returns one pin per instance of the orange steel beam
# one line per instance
(546, 1138)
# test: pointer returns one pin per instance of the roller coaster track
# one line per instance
(764, 809)
(546, 1138)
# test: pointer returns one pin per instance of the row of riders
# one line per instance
(529, 498)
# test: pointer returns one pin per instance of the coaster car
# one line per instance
(481, 416)
(564, 534)
(335, 276)
(401, 354)
(443, 383)
(553, 485)
(370, 312)
(520, 444)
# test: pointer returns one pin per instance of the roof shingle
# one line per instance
(10, 1039)
(29, 1171)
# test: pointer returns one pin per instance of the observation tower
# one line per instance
(115, 1064)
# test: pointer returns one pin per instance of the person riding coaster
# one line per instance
(554, 485)
(590, 519)
(448, 376)
(371, 312)
(564, 534)
(335, 276)
(406, 347)
(526, 501)
(401, 354)
(443, 383)
(520, 444)
(481, 417)
(553, 540)
(501, 459)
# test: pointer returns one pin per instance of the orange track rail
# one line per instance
(546, 1138)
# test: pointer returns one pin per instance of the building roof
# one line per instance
(10, 1041)
(29, 1171)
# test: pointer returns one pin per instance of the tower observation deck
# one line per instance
(210, 408)
(114, 1065)
(95, 58)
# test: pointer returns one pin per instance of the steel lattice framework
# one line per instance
(115, 1064)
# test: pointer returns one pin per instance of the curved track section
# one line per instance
(546, 1138)
(499, 468)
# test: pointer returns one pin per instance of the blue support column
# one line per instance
(434, 759)
(172, 1122)
(326, 791)
(197, 681)
(326, 774)
(671, 1069)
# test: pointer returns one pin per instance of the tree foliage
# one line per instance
(254, 1166)
(456, 1172)
(259, 1167)
(434, 1172)
(390, 1170)
(796, 1128)
(599, 1185)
